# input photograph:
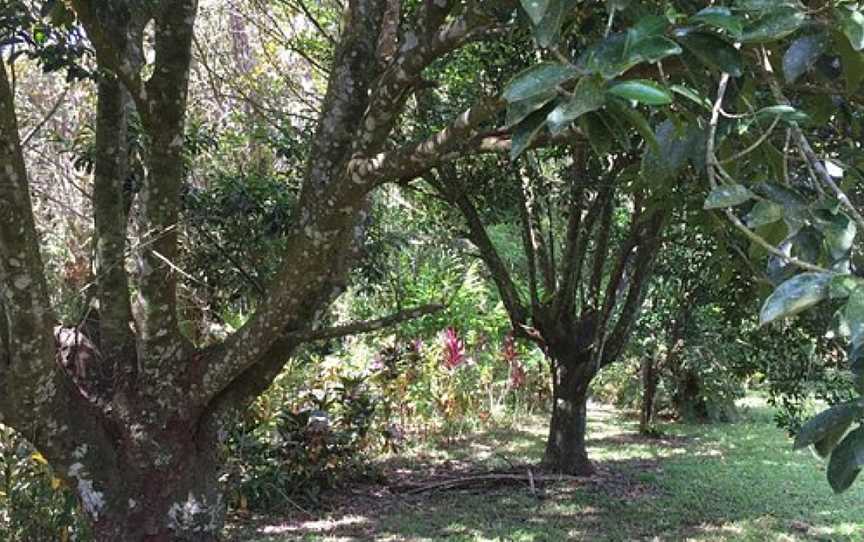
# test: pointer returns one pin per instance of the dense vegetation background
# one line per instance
(566, 221)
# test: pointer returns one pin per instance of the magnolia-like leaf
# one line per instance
(851, 60)
(795, 295)
(535, 9)
(838, 417)
(526, 131)
(786, 113)
(547, 31)
(518, 111)
(839, 231)
(852, 23)
(673, 150)
(713, 52)
(801, 56)
(764, 212)
(538, 79)
(842, 286)
(773, 26)
(691, 95)
(758, 6)
(846, 461)
(720, 17)
(727, 196)
(638, 121)
(854, 314)
(656, 48)
(587, 96)
(642, 91)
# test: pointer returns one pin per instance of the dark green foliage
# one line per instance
(295, 449)
(34, 504)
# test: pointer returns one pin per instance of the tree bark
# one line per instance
(163, 486)
(649, 393)
(565, 447)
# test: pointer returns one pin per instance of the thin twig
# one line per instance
(712, 165)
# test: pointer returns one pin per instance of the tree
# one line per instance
(131, 413)
(580, 304)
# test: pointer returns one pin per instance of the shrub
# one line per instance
(34, 504)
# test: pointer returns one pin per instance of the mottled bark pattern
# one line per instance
(130, 412)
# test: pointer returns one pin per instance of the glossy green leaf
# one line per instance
(648, 27)
(852, 23)
(535, 9)
(838, 417)
(728, 196)
(598, 135)
(720, 17)
(538, 79)
(691, 95)
(656, 48)
(764, 212)
(851, 60)
(638, 121)
(795, 295)
(611, 57)
(713, 51)
(547, 31)
(517, 111)
(774, 25)
(846, 461)
(853, 311)
(802, 55)
(675, 147)
(526, 132)
(758, 6)
(842, 286)
(786, 113)
(642, 91)
(589, 95)
(839, 231)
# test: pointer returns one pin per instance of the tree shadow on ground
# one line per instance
(695, 483)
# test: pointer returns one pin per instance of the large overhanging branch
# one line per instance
(367, 326)
(449, 187)
(413, 160)
(331, 205)
(431, 40)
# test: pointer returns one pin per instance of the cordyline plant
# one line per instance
(454, 348)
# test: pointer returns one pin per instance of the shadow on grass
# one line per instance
(729, 482)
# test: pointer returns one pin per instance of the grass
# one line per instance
(702, 483)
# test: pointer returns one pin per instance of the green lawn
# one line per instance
(720, 482)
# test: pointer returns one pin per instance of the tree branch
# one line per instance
(357, 328)
(448, 186)
(111, 170)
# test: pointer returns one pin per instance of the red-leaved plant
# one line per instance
(454, 348)
(511, 356)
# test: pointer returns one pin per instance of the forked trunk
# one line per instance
(565, 446)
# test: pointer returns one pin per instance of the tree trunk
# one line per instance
(565, 446)
(649, 393)
(689, 404)
(163, 486)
